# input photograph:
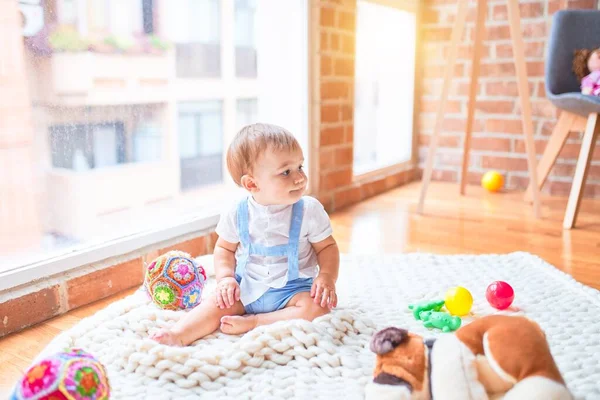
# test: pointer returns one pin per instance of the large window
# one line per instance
(384, 86)
(116, 118)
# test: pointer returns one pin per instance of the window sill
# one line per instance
(383, 171)
(96, 253)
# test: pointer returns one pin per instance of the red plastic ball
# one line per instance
(500, 295)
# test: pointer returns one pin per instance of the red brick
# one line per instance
(490, 144)
(347, 112)
(541, 89)
(498, 69)
(532, 50)
(326, 159)
(332, 136)
(30, 309)
(347, 21)
(335, 41)
(513, 126)
(326, 65)
(344, 66)
(535, 69)
(336, 179)
(443, 140)
(517, 182)
(396, 180)
(534, 29)
(527, 10)
(334, 90)
(504, 163)
(374, 187)
(438, 71)
(195, 247)
(349, 133)
(444, 175)
(495, 106)
(430, 106)
(327, 17)
(540, 146)
(343, 156)
(330, 113)
(103, 283)
(347, 197)
(348, 44)
(436, 34)
(324, 41)
(498, 32)
(450, 124)
(539, 108)
(430, 17)
(554, 5)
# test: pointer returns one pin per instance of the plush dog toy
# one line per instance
(494, 357)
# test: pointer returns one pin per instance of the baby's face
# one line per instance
(279, 177)
(593, 63)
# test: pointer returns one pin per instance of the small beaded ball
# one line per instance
(175, 281)
(71, 374)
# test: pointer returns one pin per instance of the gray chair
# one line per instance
(571, 30)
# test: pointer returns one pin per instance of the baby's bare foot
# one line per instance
(235, 325)
(167, 337)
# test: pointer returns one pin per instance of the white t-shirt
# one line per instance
(270, 226)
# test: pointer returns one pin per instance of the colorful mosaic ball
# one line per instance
(175, 281)
(73, 374)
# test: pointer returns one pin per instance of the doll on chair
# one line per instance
(586, 65)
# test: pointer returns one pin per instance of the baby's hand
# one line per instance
(227, 292)
(323, 291)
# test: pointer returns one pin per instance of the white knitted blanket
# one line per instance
(330, 358)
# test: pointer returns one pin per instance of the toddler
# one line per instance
(276, 258)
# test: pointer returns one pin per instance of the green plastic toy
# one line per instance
(431, 305)
(440, 320)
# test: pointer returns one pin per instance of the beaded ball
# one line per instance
(175, 281)
(71, 374)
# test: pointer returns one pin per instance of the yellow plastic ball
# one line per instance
(458, 301)
(492, 181)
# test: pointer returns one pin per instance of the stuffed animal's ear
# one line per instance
(387, 339)
(580, 63)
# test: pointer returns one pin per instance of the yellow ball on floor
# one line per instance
(492, 181)
(458, 301)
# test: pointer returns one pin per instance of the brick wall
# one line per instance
(497, 132)
(36, 302)
(334, 98)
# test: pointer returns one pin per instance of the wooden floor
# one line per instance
(476, 223)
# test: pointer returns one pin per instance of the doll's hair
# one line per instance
(580, 60)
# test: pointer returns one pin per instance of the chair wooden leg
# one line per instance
(475, 66)
(555, 144)
(581, 171)
(459, 26)
(514, 18)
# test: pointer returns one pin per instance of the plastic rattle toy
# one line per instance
(428, 305)
(492, 181)
(500, 295)
(458, 301)
(440, 320)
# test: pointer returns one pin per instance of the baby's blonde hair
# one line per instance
(251, 141)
